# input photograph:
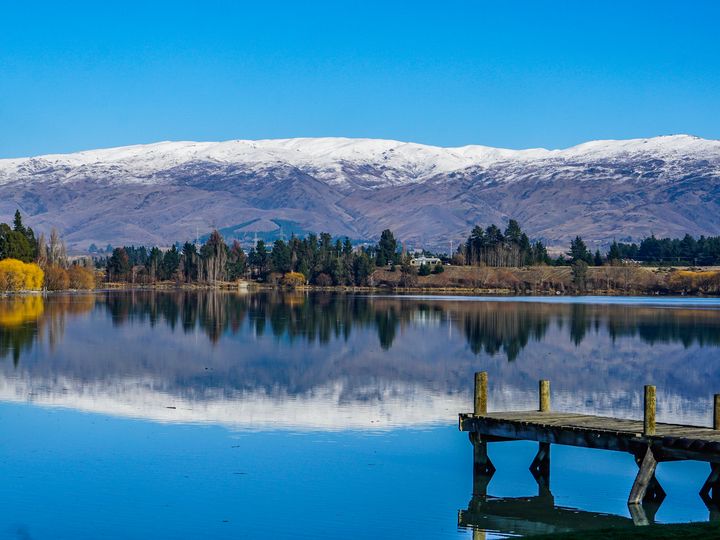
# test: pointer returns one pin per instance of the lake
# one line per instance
(290, 415)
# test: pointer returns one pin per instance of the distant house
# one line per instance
(419, 261)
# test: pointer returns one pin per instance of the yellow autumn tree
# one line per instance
(16, 275)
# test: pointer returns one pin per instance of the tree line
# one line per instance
(493, 247)
(316, 259)
(28, 262)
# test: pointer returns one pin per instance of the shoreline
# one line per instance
(379, 290)
(538, 281)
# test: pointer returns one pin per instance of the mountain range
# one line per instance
(429, 196)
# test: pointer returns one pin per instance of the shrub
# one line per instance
(323, 280)
(16, 275)
(424, 270)
(56, 278)
(293, 279)
(81, 278)
(439, 269)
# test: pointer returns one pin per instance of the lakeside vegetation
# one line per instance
(491, 260)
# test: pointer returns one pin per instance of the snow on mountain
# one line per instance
(329, 155)
(163, 192)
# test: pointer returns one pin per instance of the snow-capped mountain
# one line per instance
(164, 192)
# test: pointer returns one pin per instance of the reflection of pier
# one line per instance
(532, 515)
(649, 442)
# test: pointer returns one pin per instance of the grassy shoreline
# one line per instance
(483, 281)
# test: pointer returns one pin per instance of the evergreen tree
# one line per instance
(237, 262)
(17, 223)
(170, 262)
(14, 244)
(579, 273)
(579, 251)
(189, 262)
(386, 248)
(118, 265)
(280, 257)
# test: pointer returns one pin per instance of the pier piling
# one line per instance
(649, 416)
(481, 386)
(649, 442)
(544, 391)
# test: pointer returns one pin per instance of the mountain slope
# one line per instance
(164, 192)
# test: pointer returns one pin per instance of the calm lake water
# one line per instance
(221, 415)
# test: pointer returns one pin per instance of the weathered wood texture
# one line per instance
(544, 392)
(649, 417)
(670, 441)
(481, 388)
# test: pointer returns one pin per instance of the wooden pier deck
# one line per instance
(648, 441)
(670, 441)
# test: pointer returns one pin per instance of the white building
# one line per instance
(419, 261)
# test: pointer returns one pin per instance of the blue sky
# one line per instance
(77, 75)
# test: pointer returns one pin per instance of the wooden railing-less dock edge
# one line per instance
(648, 441)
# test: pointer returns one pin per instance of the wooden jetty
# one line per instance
(649, 442)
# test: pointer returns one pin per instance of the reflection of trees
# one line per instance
(492, 327)
(686, 326)
(489, 327)
(25, 319)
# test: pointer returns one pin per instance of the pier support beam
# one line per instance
(710, 491)
(483, 468)
(540, 467)
(646, 488)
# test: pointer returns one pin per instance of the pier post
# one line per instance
(710, 491)
(646, 488)
(540, 468)
(483, 468)
(481, 387)
(544, 396)
(649, 416)
(716, 411)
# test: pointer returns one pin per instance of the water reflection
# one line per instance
(527, 516)
(27, 319)
(337, 361)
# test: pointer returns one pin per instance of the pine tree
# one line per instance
(386, 248)
(17, 223)
(598, 260)
(579, 251)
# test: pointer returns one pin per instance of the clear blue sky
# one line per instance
(79, 75)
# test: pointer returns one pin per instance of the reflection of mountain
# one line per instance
(371, 360)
